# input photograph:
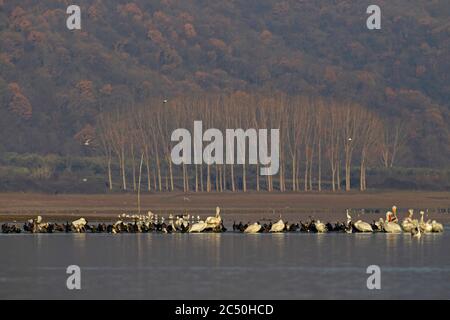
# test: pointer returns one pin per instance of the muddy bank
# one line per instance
(235, 206)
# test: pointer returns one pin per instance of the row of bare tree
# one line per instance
(321, 142)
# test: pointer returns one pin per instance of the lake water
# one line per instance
(225, 266)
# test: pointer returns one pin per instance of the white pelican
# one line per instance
(362, 226)
(214, 221)
(359, 225)
(198, 227)
(277, 227)
(253, 228)
(349, 217)
(348, 225)
(436, 226)
(415, 231)
(407, 223)
(79, 224)
(179, 222)
(389, 225)
(379, 224)
(320, 226)
(425, 227)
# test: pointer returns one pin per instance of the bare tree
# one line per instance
(104, 136)
(393, 139)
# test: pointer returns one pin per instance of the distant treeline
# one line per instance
(58, 174)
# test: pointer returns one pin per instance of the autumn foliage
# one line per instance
(131, 51)
(19, 104)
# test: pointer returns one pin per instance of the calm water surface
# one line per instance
(225, 266)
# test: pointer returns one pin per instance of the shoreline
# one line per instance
(235, 206)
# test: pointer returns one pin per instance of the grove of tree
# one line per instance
(387, 89)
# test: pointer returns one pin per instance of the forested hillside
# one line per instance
(54, 82)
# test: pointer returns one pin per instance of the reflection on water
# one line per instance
(225, 266)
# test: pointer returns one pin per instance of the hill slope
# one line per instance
(53, 82)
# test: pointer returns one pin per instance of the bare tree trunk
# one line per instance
(244, 178)
(220, 178)
(270, 179)
(196, 178)
(201, 178)
(183, 166)
(133, 167)
(224, 179)
(124, 179)
(361, 175)
(338, 172)
(149, 180)
(188, 187)
(208, 178)
(158, 168)
(347, 176)
(139, 186)
(319, 177)
(293, 174)
(185, 178)
(216, 176)
(310, 169)
(306, 173)
(233, 185)
(110, 182)
(257, 177)
(333, 179)
(281, 175)
(169, 162)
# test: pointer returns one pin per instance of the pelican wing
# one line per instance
(213, 220)
(437, 227)
(198, 227)
(320, 227)
(407, 226)
(362, 226)
(392, 227)
(79, 223)
(253, 228)
(277, 227)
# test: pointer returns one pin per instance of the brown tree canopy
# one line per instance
(310, 48)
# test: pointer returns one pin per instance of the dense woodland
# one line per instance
(58, 87)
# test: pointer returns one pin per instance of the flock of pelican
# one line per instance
(416, 227)
(191, 224)
(125, 224)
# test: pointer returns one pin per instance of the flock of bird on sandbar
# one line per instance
(190, 224)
